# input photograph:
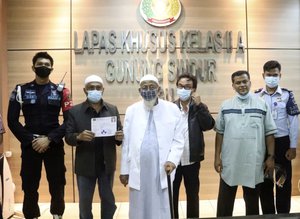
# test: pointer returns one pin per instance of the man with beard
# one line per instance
(152, 147)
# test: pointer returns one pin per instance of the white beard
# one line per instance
(150, 104)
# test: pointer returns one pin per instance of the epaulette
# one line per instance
(258, 90)
(22, 84)
(285, 89)
(26, 84)
(17, 92)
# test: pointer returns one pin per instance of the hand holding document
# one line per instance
(119, 135)
(104, 126)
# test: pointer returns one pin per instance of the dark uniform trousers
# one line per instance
(227, 195)
(283, 194)
(31, 168)
(190, 174)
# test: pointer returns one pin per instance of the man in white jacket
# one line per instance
(152, 147)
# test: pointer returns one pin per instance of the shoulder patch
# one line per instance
(291, 106)
(66, 100)
(258, 90)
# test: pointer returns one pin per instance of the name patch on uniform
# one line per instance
(30, 96)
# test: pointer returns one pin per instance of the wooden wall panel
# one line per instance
(273, 24)
(3, 66)
(35, 24)
(115, 15)
(272, 28)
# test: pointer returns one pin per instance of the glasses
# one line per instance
(186, 87)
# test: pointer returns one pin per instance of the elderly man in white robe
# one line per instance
(152, 146)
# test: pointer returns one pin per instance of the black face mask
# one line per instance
(42, 71)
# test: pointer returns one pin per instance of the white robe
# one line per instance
(151, 201)
(169, 134)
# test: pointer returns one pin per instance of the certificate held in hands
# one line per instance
(104, 126)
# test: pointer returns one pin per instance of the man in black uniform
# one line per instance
(41, 136)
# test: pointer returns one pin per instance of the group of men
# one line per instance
(254, 133)
(159, 138)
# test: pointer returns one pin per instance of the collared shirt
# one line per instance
(2, 130)
(185, 158)
(244, 125)
(287, 124)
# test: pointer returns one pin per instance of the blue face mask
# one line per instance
(94, 96)
(148, 94)
(183, 94)
(272, 82)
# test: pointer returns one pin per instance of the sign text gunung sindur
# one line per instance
(195, 46)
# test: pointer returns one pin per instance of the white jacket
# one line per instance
(167, 119)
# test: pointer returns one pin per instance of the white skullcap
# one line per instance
(149, 77)
(93, 78)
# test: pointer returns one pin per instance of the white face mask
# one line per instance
(243, 97)
(183, 94)
(94, 96)
(272, 82)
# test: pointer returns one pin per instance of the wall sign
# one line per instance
(160, 13)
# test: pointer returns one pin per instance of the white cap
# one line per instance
(93, 78)
(149, 77)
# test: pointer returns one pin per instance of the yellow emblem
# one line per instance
(160, 13)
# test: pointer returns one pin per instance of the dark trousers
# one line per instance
(283, 194)
(31, 169)
(227, 195)
(190, 175)
(86, 187)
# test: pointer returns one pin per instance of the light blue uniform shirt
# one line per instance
(284, 112)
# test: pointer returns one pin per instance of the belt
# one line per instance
(38, 136)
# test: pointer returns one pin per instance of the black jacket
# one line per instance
(199, 120)
(85, 160)
(41, 107)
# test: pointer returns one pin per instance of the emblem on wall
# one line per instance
(160, 13)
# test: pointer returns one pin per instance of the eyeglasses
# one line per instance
(186, 87)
